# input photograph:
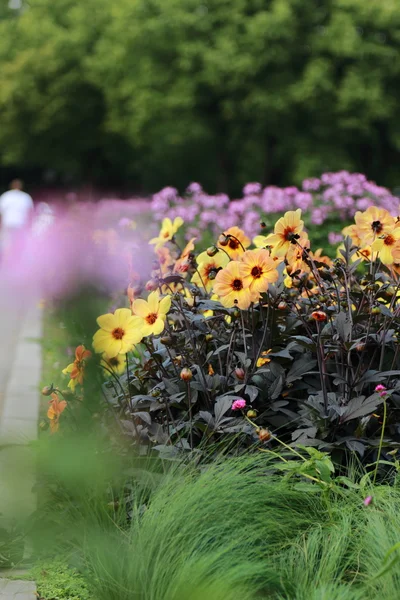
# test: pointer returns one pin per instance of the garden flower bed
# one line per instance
(249, 342)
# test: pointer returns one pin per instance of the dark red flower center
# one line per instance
(376, 226)
(256, 272)
(151, 318)
(118, 333)
(237, 285)
(389, 240)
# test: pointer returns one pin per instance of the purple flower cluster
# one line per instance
(334, 195)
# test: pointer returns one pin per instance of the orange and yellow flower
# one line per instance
(182, 265)
(56, 407)
(167, 231)
(263, 358)
(165, 259)
(319, 257)
(77, 368)
(388, 247)
(151, 314)
(259, 269)
(354, 233)
(208, 267)
(373, 223)
(118, 333)
(295, 257)
(232, 286)
(288, 231)
(235, 242)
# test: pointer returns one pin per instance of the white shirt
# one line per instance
(15, 208)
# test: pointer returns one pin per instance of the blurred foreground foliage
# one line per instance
(163, 91)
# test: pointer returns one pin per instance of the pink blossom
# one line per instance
(367, 501)
(334, 238)
(238, 404)
(252, 188)
(381, 389)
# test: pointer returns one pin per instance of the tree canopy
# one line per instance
(162, 92)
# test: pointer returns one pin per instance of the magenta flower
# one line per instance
(367, 501)
(238, 404)
(381, 389)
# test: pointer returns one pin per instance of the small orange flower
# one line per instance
(164, 258)
(56, 407)
(130, 292)
(319, 315)
(295, 257)
(76, 369)
(264, 435)
(263, 359)
(319, 257)
(236, 242)
(182, 265)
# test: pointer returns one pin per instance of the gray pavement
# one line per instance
(20, 371)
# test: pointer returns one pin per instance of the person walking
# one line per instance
(16, 210)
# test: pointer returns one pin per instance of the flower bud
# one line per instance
(212, 274)
(167, 340)
(282, 305)
(186, 374)
(236, 313)
(212, 251)
(209, 337)
(223, 240)
(251, 414)
(240, 373)
(264, 435)
(319, 315)
(47, 390)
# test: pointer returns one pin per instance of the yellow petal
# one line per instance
(152, 301)
(158, 326)
(122, 316)
(107, 322)
(165, 305)
(140, 308)
(178, 222)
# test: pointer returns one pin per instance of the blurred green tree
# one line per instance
(222, 91)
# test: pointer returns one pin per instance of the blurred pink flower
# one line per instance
(381, 389)
(238, 404)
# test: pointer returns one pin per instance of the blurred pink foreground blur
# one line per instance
(88, 244)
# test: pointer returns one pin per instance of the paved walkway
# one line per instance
(20, 369)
